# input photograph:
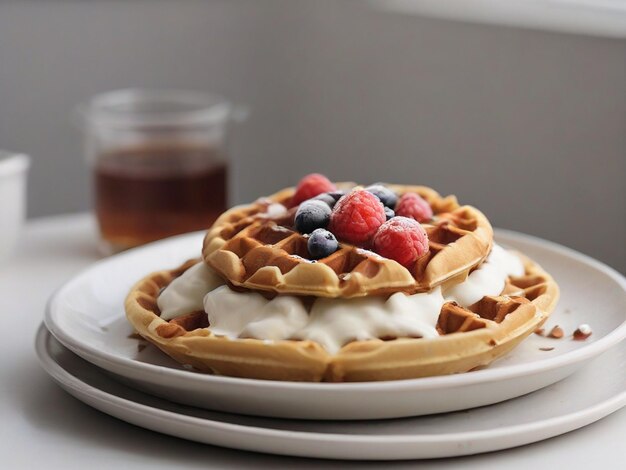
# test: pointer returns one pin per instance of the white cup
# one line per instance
(13, 171)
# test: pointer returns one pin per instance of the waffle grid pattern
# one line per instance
(254, 251)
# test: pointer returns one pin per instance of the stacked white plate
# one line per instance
(94, 356)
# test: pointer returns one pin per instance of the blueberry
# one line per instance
(386, 195)
(336, 195)
(321, 244)
(389, 213)
(327, 198)
(312, 214)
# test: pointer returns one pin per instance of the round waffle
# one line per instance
(469, 337)
(253, 250)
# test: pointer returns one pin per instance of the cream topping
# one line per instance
(275, 210)
(250, 315)
(488, 279)
(336, 322)
(185, 294)
(330, 322)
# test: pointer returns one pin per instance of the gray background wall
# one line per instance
(529, 126)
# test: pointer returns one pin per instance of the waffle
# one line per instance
(254, 251)
(469, 337)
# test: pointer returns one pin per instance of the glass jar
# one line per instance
(159, 162)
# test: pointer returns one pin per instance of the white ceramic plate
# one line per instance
(87, 316)
(583, 398)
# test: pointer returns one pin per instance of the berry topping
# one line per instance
(327, 198)
(310, 186)
(357, 216)
(311, 215)
(321, 244)
(401, 239)
(386, 195)
(389, 213)
(412, 205)
(338, 194)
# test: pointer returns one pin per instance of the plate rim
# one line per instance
(587, 351)
(554, 425)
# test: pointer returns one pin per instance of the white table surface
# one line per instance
(44, 427)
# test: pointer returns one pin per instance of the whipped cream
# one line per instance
(250, 315)
(329, 322)
(332, 323)
(185, 294)
(336, 322)
(488, 279)
(275, 209)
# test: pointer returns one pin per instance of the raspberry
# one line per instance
(401, 239)
(311, 186)
(357, 216)
(412, 205)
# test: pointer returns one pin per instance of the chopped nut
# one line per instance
(546, 349)
(540, 332)
(582, 332)
(556, 332)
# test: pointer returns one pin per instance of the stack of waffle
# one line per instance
(252, 248)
